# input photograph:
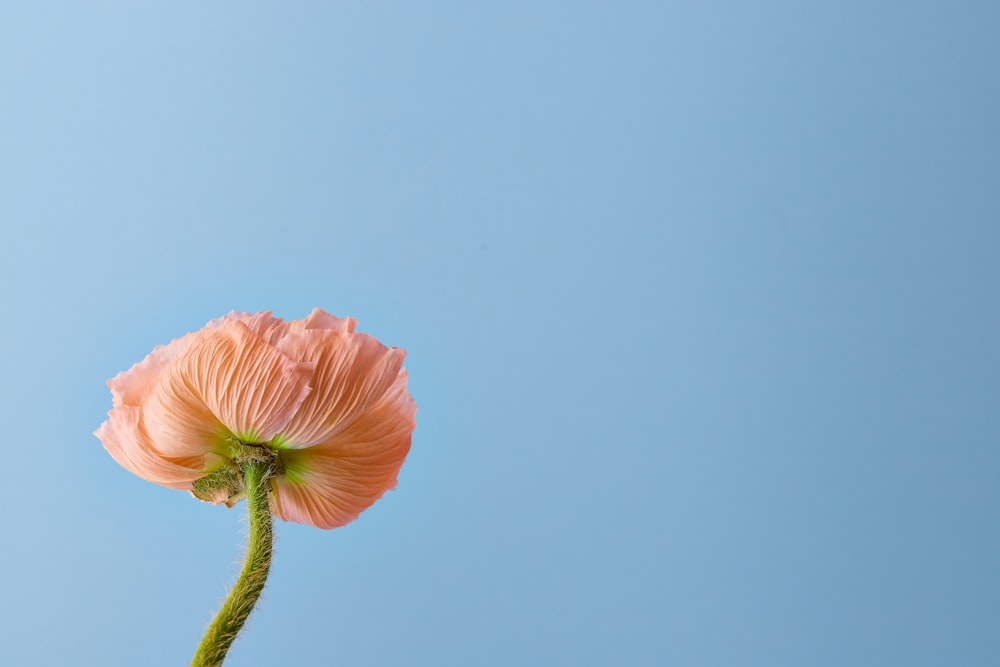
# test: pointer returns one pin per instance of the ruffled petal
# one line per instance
(330, 484)
(124, 438)
(228, 383)
(262, 324)
(350, 372)
(133, 386)
(317, 319)
(320, 319)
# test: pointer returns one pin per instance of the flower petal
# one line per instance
(330, 484)
(317, 319)
(133, 386)
(320, 319)
(350, 372)
(261, 324)
(228, 383)
(123, 437)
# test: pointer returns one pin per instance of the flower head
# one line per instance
(327, 405)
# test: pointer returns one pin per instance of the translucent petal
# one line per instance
(317, 319)
(351, 371)
(133, 386)
(262, 324)
(228, 383)
(125, 439)
(330, 484)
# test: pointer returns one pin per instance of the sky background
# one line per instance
(700, 301)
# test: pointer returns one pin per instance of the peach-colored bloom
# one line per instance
(331, 402)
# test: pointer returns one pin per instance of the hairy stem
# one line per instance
(242, 598)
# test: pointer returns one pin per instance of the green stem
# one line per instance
(242, 598)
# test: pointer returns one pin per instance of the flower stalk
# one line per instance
(228, 622)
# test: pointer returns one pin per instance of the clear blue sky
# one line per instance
(700, 300)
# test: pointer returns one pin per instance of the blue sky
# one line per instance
(699, 301)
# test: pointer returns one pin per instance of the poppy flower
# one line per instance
(328, 405)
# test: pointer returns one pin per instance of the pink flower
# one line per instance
(329, 404)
